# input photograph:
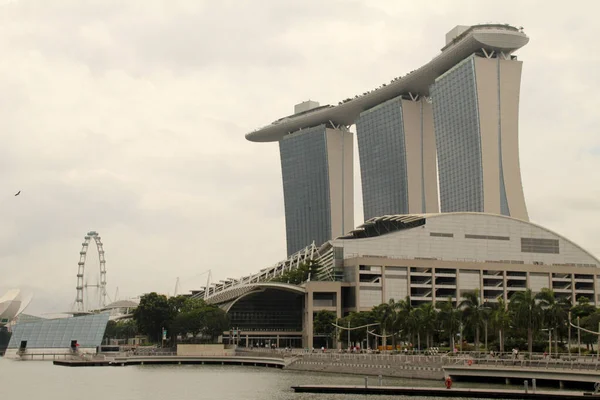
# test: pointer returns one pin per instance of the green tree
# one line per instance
(449, 318)
(473, 313)
(127, 328)
(323, 325)
(177, 303)
(123, 329)
(592, 323)
(583, 308)
(353, 320)
(554, 312)
(215, 321)
(192, 304)
(405, 318)
(385, 315)
(111, 330)
(305, 271)
(152, 314)
(427, 317)
(188, 322)
(500, 320)
(527, 314)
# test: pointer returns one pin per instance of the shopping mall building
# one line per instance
(425, 257)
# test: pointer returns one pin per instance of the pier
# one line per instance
(443, 392)
(174, 359)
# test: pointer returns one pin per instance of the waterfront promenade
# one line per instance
(173, 359)
(506, 368)
(555, 371)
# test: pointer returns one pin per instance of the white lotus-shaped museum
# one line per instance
(12, 304)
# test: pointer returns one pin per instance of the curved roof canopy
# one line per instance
(492, 37)
(388, 223)
(235, 292)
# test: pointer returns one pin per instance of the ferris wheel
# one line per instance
(84, 285)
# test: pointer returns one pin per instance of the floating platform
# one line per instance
(443, 392)
(81, 363)
(154, 360)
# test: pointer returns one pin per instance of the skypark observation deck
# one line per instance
(488, 38)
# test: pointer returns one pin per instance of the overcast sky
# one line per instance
(128, 118)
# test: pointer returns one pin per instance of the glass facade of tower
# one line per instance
(306, 188)
(380, 134)
(458, 141)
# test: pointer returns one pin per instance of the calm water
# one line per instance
(42, 380)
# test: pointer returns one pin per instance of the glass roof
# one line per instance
(58, 333)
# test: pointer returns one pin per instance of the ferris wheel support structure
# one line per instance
(92, 235)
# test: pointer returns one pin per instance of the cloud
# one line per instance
(128, 118)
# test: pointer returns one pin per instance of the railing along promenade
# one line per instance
(537, 360)
(337, 355)
(522, 360)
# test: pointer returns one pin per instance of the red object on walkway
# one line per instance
(448, 383)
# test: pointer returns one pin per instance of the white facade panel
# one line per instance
(370, 297)
(418, 242)
(469, 280)
(396, 271)
(396, 287)
(538, 281)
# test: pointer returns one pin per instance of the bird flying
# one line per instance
(18, 193)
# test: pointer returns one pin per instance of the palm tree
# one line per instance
(554, 312)
(414, 326)
(403, 321)
(583, 308)
(527, 313)
(474, 313)
(449, 318)
(385, 315)
(427, 319)
(500, 320)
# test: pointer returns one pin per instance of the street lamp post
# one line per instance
(569, 339)
(356, 327)
(348, 333)
(578, 338)
(486, 335)
(549, 341)
(579, 329)
(598, 345)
